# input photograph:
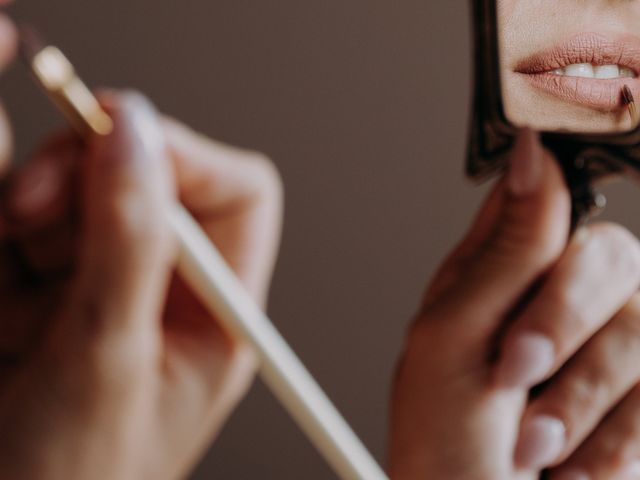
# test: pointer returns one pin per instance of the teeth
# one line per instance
(583, 70)
(626, 72)
(606, 71)
(586, 70)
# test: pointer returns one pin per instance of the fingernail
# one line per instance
(34, 189)
(136, 125)
(526, 361)
(525, 168)
(632, 471)
(573, 475)
(541, 442)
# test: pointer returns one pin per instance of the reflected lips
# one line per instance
(594, 49)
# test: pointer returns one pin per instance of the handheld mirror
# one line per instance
(569, 69)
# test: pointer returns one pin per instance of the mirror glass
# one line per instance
(565, 64)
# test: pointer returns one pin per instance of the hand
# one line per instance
(457, 415)
(110, 368)
(8, 46)
(600, 382)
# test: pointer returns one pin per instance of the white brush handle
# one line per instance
(221, 292)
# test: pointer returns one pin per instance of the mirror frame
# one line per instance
(584, 158)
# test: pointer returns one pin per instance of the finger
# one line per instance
(8, 45)
(8, 40)
(528, 237)
(126, 245)
(613, 451)
(453, 267)
(36, 246)
(38, 205)
(236, 196)
(584, 391)
(595, 278)
(23, 322)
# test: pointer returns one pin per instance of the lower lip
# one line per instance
(596, 93)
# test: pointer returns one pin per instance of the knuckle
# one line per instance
(118, 358)
(532, 247)
(587, 393)
(629, 318)
(138, 225)
(265, 170)
(428, 357)
(111, 356)
(573, 405)
(425, 334)
(106, 339)
(131, 97)
(242, 361)
(233, 377)
(618, 248)
(617, 459)
(575, 318)
(261, 179)
(420, 331)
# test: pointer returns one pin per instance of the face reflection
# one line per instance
(565, 62)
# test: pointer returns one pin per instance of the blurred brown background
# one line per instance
(363, 105)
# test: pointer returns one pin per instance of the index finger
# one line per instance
(235, 195)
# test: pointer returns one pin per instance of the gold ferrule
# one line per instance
(58, 77)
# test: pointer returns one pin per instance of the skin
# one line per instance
(108, 353)
(527, 27)
(109, 367)
(515, 275)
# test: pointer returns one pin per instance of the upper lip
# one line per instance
(597, 49)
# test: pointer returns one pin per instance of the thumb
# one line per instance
(126, 248)
(520, 233)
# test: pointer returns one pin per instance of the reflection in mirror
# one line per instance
(565, 64)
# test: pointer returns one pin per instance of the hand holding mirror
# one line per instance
(569, 69)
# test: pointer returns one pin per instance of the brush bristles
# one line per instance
(31, 43)
(630, 103)
(627, 96)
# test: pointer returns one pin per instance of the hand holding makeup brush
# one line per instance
(109, 367)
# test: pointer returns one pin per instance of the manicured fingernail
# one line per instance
(542, 441)
(632, 471)
(573, 475)
(136, 120)
(34, 189)
(136, 139)
(525, 361)
(525, 168)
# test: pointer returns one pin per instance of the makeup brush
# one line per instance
(213, 281)
(629, 101)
